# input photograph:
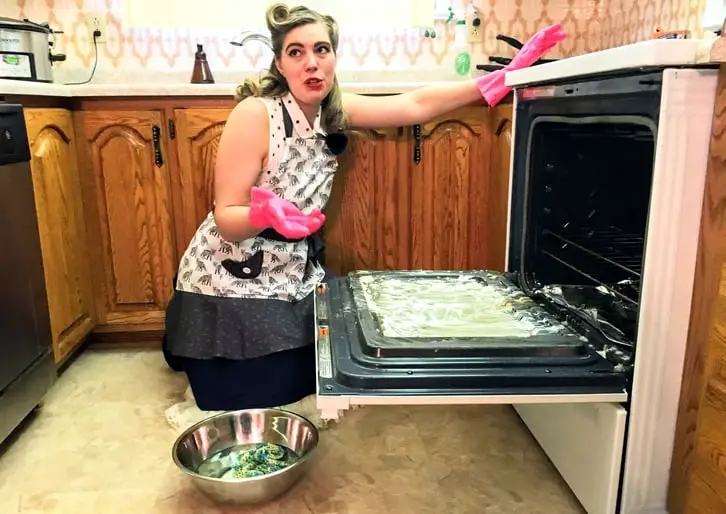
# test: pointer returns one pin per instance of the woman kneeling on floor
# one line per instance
(240, 323)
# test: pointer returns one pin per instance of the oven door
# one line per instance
(436, 337)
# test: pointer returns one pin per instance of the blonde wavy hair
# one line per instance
(281, 19)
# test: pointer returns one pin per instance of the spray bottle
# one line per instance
(461, 57)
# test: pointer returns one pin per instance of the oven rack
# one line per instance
(611, 245)
(597, 131)
(614, 253)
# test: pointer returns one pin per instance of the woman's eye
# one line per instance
(323, 49)
(294, 53)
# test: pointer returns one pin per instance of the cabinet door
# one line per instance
(450, 194)
(59, 208)
(368, 215)
(490, 254)
(129, 213)
(198, 133)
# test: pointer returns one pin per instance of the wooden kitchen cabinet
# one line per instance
(61, 224)
(698, 471)
(500, 160)
(387, 210)
(125, 164)
(446, 211)
(369, 213)
(197, 134)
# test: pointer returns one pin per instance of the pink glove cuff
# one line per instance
(259, 215)
(492, 87)
(258, 218)
(484, 81)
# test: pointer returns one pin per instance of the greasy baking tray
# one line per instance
(436, 313)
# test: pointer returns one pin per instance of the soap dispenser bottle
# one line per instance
(201, 73)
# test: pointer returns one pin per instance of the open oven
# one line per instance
(561, 323)
(594, 199)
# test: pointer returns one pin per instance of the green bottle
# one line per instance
(460, 50)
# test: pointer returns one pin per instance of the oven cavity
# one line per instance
(589, 181)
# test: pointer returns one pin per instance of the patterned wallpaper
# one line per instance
(133, 55)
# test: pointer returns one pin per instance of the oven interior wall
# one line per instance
(589, 192)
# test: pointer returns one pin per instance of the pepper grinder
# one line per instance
(201, 73)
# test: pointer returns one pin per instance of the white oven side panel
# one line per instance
(585, 443)
(670, 260)
(673, 229)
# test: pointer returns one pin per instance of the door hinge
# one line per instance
(172, 129)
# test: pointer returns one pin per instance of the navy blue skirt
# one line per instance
(271, 380)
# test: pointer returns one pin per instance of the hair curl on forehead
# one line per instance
(281, 19)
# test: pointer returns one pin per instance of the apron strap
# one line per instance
(274, 235)
(316, 246)
(287, 122)
(315, 242)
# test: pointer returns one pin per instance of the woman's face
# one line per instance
(308, 63)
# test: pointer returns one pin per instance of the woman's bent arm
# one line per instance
(240, 158)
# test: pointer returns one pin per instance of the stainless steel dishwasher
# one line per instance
(27, 370)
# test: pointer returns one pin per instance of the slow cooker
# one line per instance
(25, 50)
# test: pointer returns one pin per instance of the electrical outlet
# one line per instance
(475, 32)
(96, 21)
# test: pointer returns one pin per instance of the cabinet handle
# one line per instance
(156, 136)
(501, 126)
(172, 129)
(417, 144)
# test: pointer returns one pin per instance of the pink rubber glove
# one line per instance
(269, 210)
(492, 85)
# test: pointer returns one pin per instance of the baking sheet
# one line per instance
(436, 306)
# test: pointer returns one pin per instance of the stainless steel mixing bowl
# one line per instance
(229, 429)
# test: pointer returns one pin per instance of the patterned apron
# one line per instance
(264, 283)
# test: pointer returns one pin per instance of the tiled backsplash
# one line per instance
(156, 55)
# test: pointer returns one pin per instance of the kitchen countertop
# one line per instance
(659, 52)
(15, 87)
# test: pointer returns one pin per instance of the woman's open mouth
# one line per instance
(314, 84)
